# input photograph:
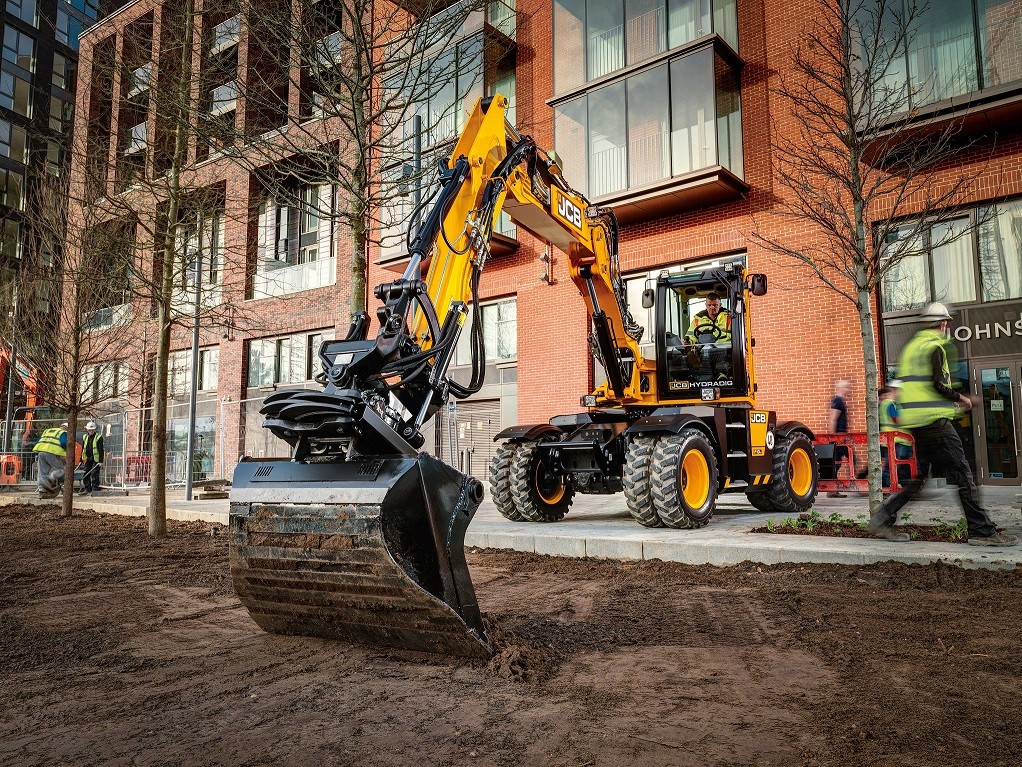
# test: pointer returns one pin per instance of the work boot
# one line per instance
(997, 539)
(836, 494)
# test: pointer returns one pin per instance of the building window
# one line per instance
(286, 360)
(104, 381)
(13, 142)
(60, 114)
(952, 49)
(202, 235)
(10, 238)
(63, 73)
(974, 256)
(54, 155)
(16, 94)
(500, 333)
(594, 38)
(179, 371)
(294, 244)
(671, 120)
(19, 49)
(24, 10)
(67, 29)
(12, 187)
(1000, 251)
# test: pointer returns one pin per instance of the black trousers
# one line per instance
(90, 480)
(939, 445)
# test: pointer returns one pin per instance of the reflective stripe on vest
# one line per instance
(49, 442)
(920, 403)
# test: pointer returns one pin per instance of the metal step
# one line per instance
(738, 454)
(735, 426)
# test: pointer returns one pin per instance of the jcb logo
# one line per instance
(757, 418)
(569, 211)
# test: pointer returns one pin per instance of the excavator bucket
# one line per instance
(368, 550)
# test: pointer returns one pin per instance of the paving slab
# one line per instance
(600, 526)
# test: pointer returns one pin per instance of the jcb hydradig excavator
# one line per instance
(360, 536)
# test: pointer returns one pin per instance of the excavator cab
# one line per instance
(701, 340)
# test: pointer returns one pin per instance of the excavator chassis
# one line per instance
(368, 551)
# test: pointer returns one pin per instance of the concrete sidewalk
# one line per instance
(599, 526)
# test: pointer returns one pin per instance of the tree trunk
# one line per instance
(67, 495)
(359, 247)
(869, 360)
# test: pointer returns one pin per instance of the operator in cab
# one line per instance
(710, 326)
(709, 341)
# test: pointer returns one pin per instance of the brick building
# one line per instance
(663, 110)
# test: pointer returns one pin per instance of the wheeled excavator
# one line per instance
(359, 535)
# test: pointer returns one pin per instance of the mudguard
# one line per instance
(528, 432)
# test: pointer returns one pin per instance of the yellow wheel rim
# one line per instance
(695, 479)
(549, 493)
(800, 472)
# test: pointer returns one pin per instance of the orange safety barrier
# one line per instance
(139, 468)
(10, 469)
(854, 461)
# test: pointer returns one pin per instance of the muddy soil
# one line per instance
(120, 650)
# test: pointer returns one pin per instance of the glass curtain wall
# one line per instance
(594, 38)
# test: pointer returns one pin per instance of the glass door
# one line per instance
(998, 424)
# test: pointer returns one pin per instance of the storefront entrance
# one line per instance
(998, 423)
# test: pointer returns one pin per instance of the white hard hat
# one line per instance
(935, 312)
(90, 425)
(894, 383)
(63, 425)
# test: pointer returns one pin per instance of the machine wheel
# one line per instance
(500, 482)
(796, 474)
(761, 501)
(638, 495)
(538, 496)
(684, 479)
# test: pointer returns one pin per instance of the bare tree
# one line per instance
(73, 286)
(361, 70)
(857, 164)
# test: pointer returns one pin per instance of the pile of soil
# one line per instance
(119, 649)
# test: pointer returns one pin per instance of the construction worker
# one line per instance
(711, 331)
(92, 458)
(52, 449)
(890, 420)
(929, 405)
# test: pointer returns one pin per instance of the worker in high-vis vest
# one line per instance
(51, 450)
(92, 458)
(929, 405)
(890, 420)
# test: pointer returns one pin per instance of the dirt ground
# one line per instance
(116, 649)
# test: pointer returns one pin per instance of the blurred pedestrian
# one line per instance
(838, 418)
(929, 404)
(890, 419)
(92, 458)
(51, 450)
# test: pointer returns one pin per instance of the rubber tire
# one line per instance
(527, 500)
(500, 482)
(782, 494)
(761, 500)
(668, 458)
(638, 492)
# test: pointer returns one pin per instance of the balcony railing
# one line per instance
(108, 317)
(292, 279)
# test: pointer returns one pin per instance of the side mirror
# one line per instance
(758, 284)
(648, 298)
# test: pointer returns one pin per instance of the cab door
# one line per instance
(999, 421)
